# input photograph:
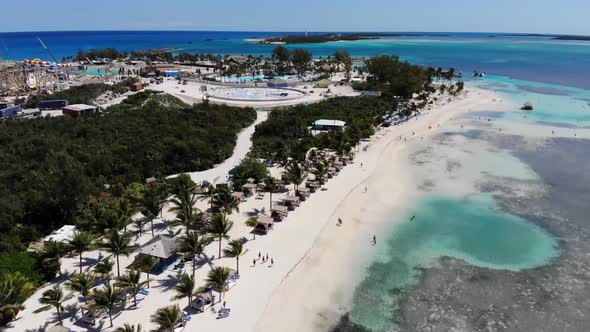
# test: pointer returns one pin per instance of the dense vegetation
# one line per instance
(49, 167)
(83, 94)
(97, 54)
(286, 132)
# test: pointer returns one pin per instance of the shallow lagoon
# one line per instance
(472, 229)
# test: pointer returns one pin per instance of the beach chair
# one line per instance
(223, 313)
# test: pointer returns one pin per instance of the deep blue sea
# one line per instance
(539, 59)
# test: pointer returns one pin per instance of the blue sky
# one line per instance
(537, 16)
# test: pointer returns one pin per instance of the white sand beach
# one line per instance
(333, 265)
(316, 262)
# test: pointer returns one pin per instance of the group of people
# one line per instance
(263, 258)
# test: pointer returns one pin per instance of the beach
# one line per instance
(336, 257)
(312, 257)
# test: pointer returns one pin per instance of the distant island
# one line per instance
(586, 38)
(324, 38)
(555, 37)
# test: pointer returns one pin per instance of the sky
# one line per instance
(523, 16)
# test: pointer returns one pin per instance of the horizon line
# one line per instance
(303, 31)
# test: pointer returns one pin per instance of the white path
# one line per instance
(219, 173)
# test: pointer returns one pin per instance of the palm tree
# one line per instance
(270, 185)
(104, 269)
(188, 216)
(145, 264)
(139, 222)
(217, 278)
(219, 227)
(15, 289)
(183, 189)
(224, 200)
(295, 174)
(235, 249)
(131, 282)
(54, 297)
(167, 318)
(185, 286)
(320, 170)
(117, 244)
(193, 245)
(151, 204)
(126, 210)
(208, 195)
(52, 253)
(81, 242)
(129, 328)
(252, 222)
(82, 283)
(113, 217)
(107, 298)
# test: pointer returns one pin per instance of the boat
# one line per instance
(528, 106)
(478, 74)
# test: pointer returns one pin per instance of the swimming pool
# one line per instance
(255, 94)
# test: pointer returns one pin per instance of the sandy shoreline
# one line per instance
(326, 275)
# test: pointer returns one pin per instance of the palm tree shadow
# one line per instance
(253, 213)
(89, 262)
(70, 311)
(65, 276)
(205, 260)
(168, 283)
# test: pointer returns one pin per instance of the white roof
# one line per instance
(80, 107)
(336, 123)
(65, 233)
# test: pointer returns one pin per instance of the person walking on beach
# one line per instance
(272, 262)
(254, 262)
(374, 239)
(339, 221)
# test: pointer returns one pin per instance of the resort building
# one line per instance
(162, 247)
(8, 112)
(76, 110)
(64, 234)
(324, 125)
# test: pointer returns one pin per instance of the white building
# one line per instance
(64, 234)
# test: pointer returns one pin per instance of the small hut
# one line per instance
(312, 185)
(239, 196)
(264, 224)
(279, 212)
(302, 193)
(58, 328)
(249, 189)
(291, 202)
(203, 300)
